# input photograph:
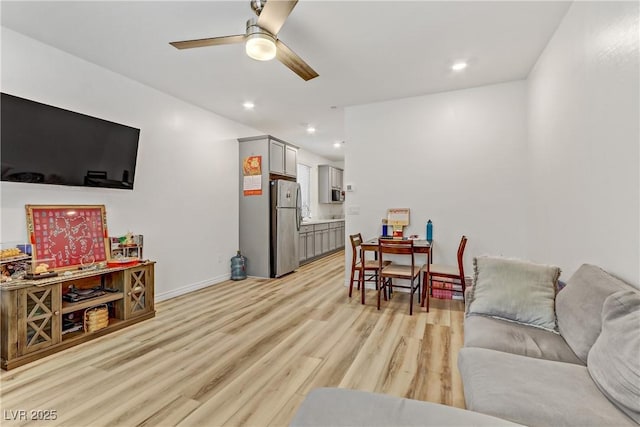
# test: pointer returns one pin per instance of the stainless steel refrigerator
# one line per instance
(286, 216)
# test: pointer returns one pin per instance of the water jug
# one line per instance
(238, 267)
(429, 231)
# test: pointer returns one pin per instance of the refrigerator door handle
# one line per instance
(298, 207)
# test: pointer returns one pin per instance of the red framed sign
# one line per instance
(69, 235)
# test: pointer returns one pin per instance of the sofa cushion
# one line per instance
(579, 305)
(515, 290)
(501, 335)
(534, 392)
(614, 359)
(340, 407)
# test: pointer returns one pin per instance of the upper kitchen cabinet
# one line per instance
(283, 158)
(290, 160)
(330, 185)
(280, 156)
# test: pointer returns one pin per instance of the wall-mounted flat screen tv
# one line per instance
(43, 144)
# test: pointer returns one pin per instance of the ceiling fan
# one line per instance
(261, 37)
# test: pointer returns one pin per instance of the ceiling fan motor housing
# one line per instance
(257, 6)
(254, 28)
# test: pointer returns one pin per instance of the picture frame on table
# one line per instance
(68, 236)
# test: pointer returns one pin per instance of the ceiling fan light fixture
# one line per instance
(261, 47)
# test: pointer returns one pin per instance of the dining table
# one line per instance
(420, 246)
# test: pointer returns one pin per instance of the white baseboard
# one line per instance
(192, 287)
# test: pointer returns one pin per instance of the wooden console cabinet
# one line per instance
(33, 312)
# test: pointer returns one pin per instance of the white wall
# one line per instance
(457, 158)
(547, 169)
(584, 135)
(319, 210)
(182, 202)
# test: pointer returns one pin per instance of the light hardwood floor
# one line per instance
(246, 353)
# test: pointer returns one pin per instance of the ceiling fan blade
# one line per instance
(294, 62)
(213, 41)
(274, 13)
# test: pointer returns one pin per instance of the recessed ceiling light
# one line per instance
(311, 129)
(337, 145)
(248, 105)
(459, 66)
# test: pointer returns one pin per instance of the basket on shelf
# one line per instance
(96, 318)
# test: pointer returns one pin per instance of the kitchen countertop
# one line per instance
(320, 221)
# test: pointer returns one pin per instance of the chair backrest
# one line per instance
(397, 247)
(463, 243)
(356, 241)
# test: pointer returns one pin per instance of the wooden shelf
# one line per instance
(32, 312)
(78, 335)
(69, 307)
(14, 258)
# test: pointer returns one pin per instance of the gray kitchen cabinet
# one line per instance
(330, 182)
(317, 242)
(305, 246)
(325, 241)
(310, 244)
(332, 239)
(276, 157)
(321, 238)
(302, 247)
(337, 231)
(335, 177)
(334, 235)
(283, 158)
(290, 160)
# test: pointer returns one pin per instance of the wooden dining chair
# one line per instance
(442, 271)
(367, 270)
(410, 272)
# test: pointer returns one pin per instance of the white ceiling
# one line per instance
(364, 51)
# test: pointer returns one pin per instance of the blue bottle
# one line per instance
(429, 231)
(238, 267)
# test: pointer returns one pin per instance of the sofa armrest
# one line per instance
(340, 407)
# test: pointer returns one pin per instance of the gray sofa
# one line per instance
(586, 372)
(334, 407)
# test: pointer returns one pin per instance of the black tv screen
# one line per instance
(43, 144)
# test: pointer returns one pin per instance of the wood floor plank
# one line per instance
(336, 364)
(246, 353)
(172, 413)
(218, 408)
(402, 371)
(438, 344)
(372, 359)
(457, 341)
(275, 394)
(286, 413)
